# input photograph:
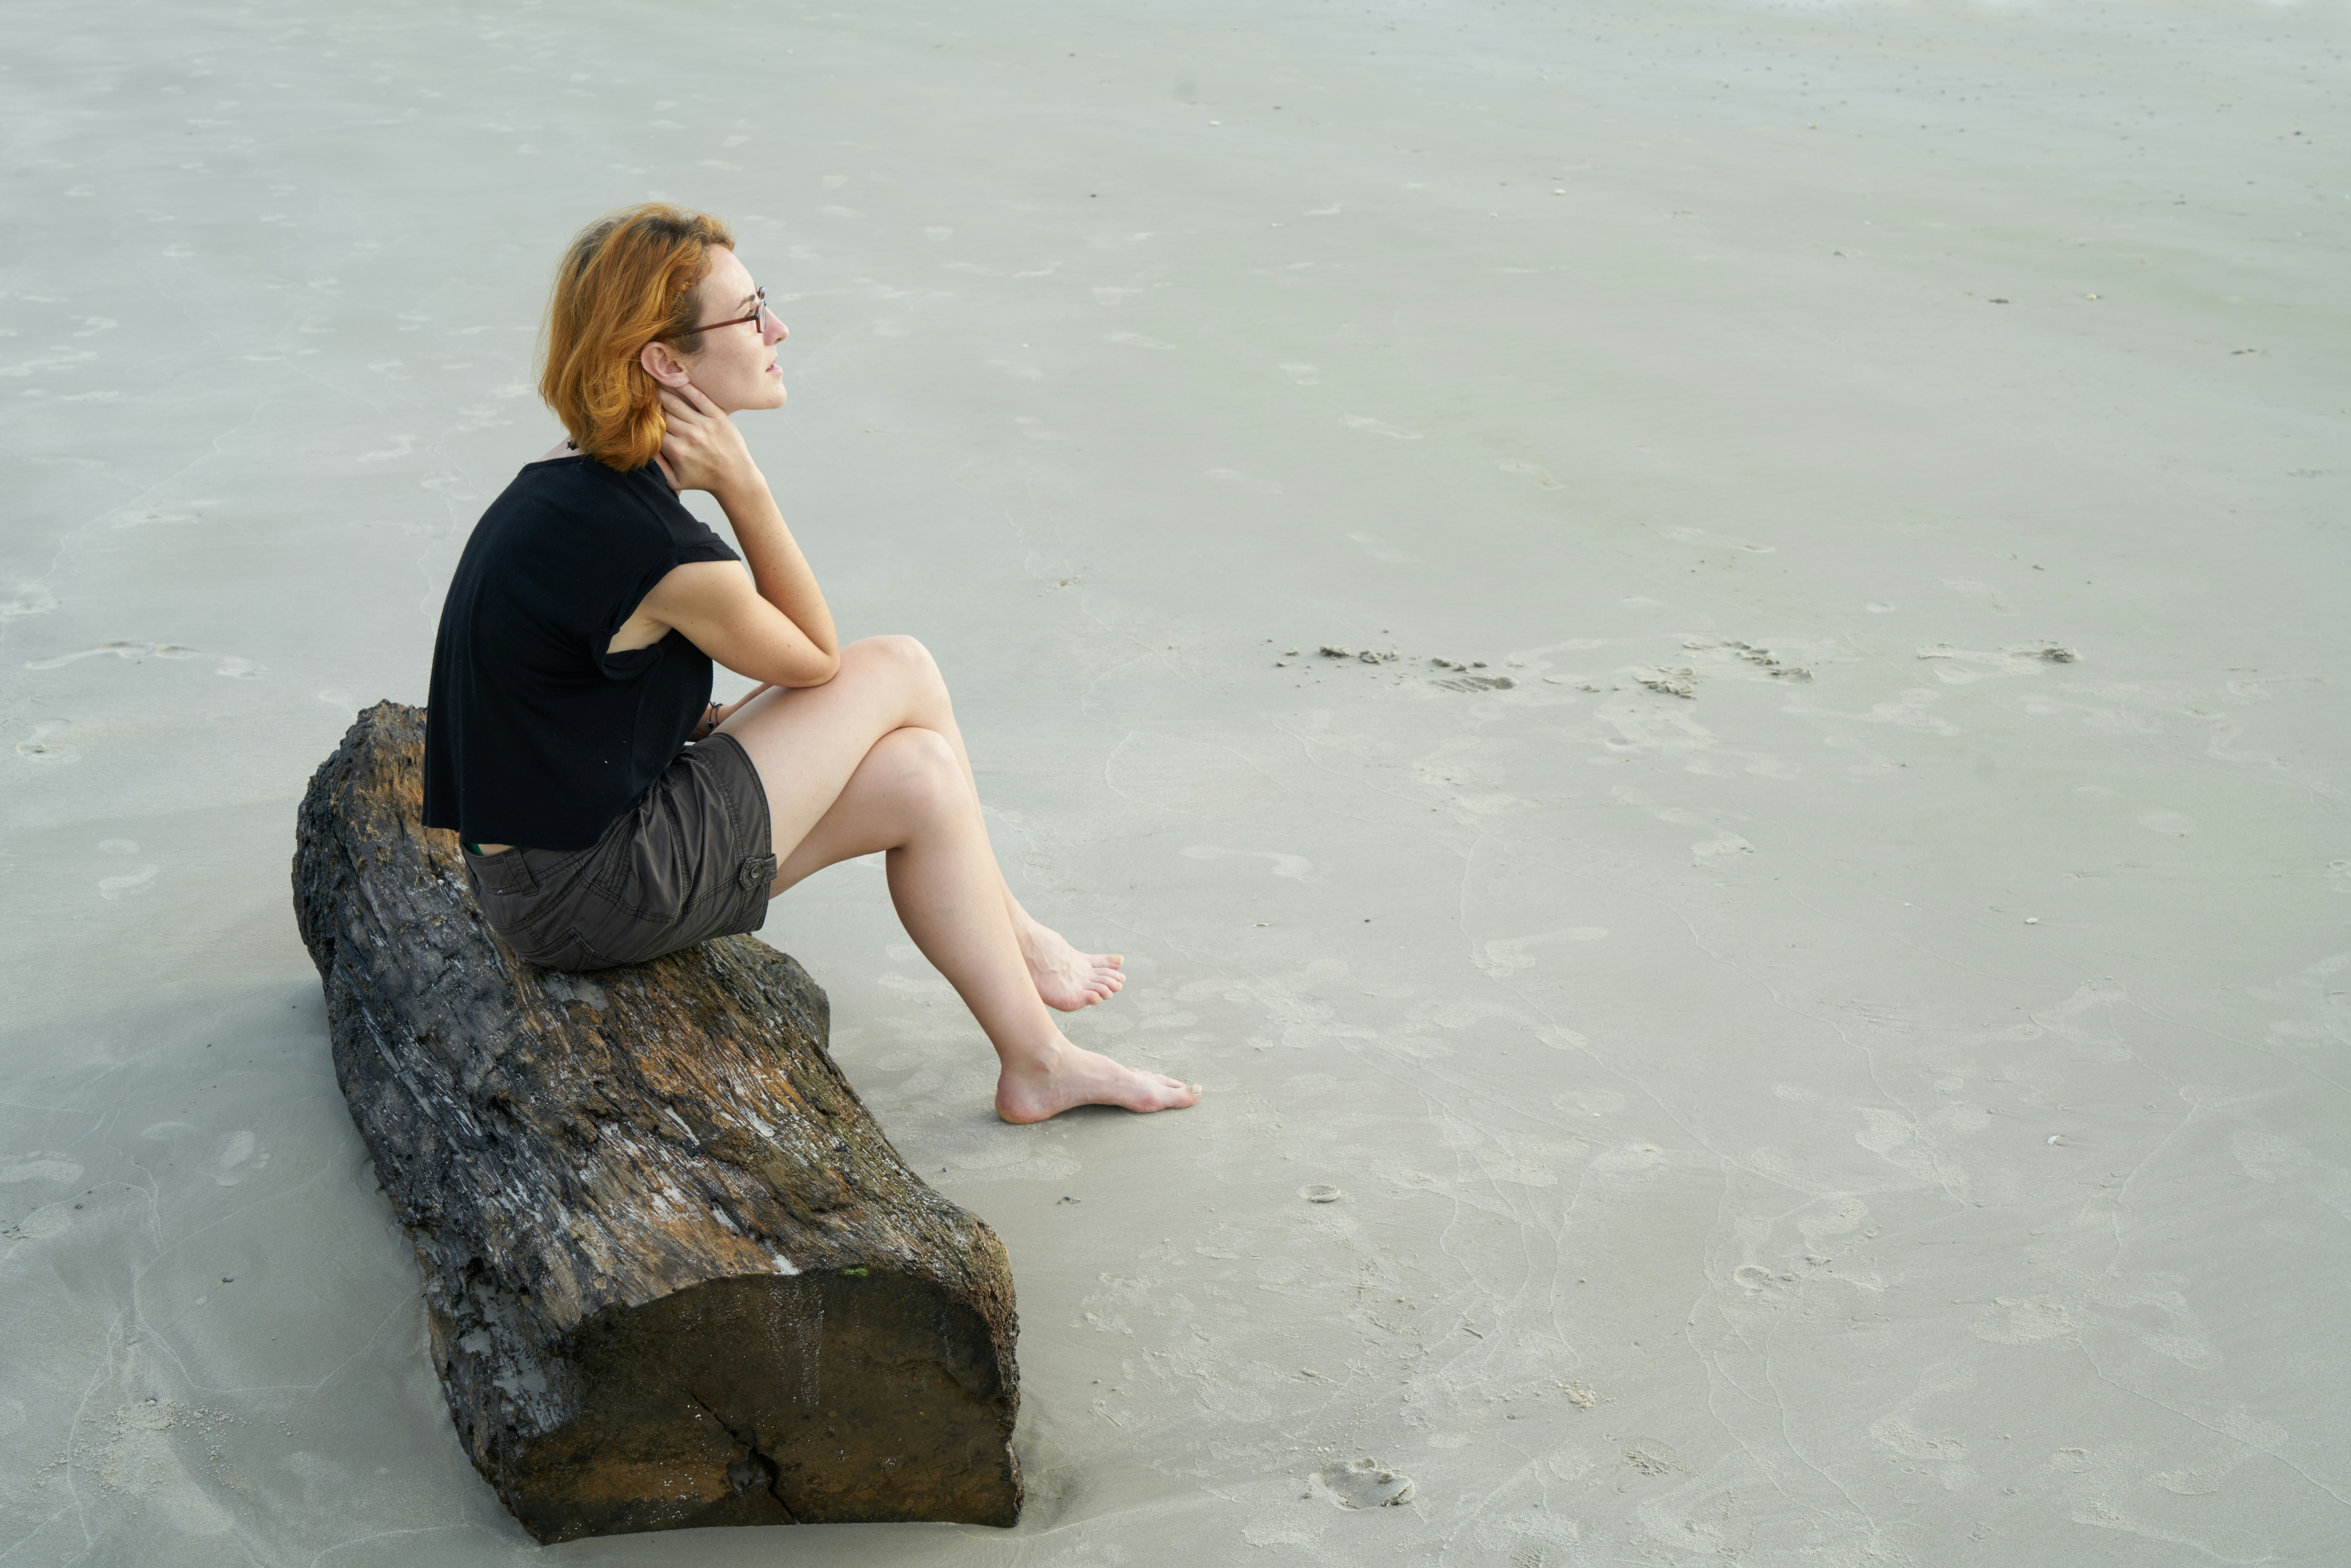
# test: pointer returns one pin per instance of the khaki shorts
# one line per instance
(690, 860)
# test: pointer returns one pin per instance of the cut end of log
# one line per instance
(675, 1275)
(763, 1400)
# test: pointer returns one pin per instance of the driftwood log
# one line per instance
(673, 1273)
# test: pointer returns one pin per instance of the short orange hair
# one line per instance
(629, 279)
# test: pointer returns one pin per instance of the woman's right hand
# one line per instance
(701, 449)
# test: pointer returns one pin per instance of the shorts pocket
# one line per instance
(574, 954)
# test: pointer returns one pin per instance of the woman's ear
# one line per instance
(662, 363)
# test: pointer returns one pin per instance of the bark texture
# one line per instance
(674, 1274)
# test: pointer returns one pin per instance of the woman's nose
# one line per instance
(777, 330)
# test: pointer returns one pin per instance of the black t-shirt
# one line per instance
(534, 734)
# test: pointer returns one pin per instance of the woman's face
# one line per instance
(735, 368)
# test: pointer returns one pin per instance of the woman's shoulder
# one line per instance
(565, 482)
(629, 514)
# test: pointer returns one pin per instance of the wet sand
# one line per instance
(1824, 1014)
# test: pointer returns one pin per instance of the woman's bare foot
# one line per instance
(1067, 978)
(1076, 1077)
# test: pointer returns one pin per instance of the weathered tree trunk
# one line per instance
(674, 1274)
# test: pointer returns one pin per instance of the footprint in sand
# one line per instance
(42, 746)
(39, 1166)
(1505, 956)
(1297, 868)
(240, 1158)
(1959, 666)
(1380, 550)
(1717, 541)
(30, 598)
(1361, 1483)
(1378, 427)
(1908, 711)
(133, 651)
(1305, 375)
(129, 881)
(2325, 1002)
(1536, 471)
(1983, 593)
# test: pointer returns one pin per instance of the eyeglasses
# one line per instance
(758, 315)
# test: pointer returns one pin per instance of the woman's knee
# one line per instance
(920, 771)
(893, 650)
(900, 660)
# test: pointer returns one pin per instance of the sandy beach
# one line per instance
(1686, 646)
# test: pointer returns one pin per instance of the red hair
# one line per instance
(629, 279)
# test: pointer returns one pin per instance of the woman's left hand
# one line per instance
(718, 715)
(701, 449)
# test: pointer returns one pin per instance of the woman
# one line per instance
(611, 813)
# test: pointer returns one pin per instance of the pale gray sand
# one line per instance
(1896, 1117)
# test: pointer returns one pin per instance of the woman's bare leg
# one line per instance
(890, 683)
(847, 777)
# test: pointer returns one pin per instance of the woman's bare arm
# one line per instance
(773, 624)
